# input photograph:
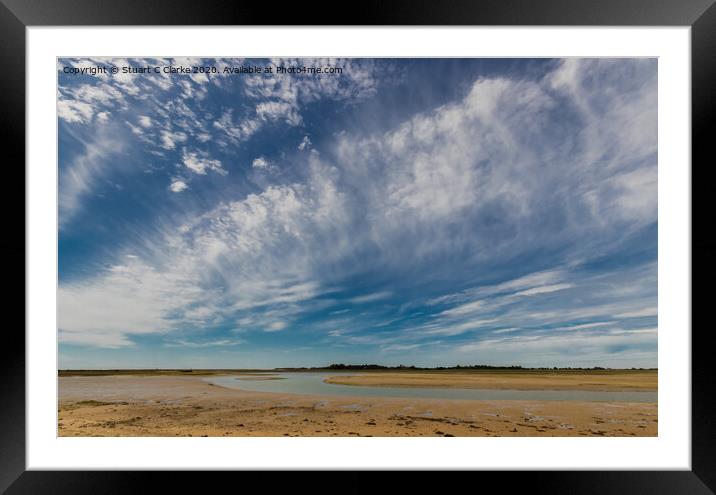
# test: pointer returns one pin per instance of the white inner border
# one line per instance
(670, 450)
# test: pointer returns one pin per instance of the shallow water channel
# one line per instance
(313, 384)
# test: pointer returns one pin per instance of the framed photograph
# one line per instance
(444, 238)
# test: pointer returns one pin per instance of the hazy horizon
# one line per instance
(355, 368)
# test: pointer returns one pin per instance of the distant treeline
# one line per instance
(358, 367)
(332, 367)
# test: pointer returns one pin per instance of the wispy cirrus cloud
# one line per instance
(521, 211)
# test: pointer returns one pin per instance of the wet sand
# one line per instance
(188, 406)
(550, 380)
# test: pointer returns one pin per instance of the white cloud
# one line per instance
(358, 80)
(464, 309)
(544, 289)
(459, 328)
(199, 162)
(78, 104)
(505, 330)
(490, 161)
(517, 303)
(108, 340)
(136, 130)
(128, 299)
(587, 325)
(376, 296)
(640, 313)
(531, 284)
(170, 139)
(571, 343)
(636, 194)
(260, 162)
(278, 110)
(405, 347)
(79, 177)
(235, 131)
(276, 326)
(248, 260)
(75, 111)
(210, 343)
(305, 143)
(177, 186)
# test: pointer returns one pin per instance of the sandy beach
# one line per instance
(562, 380)
(189, 406)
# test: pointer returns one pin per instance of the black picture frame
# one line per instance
(700, 15)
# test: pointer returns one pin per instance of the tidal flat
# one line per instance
(169, 404)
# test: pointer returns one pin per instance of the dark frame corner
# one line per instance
(16, 15)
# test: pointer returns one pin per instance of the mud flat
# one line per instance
(190, 406)
(607, 380)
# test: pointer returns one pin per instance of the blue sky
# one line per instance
(406, 211)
